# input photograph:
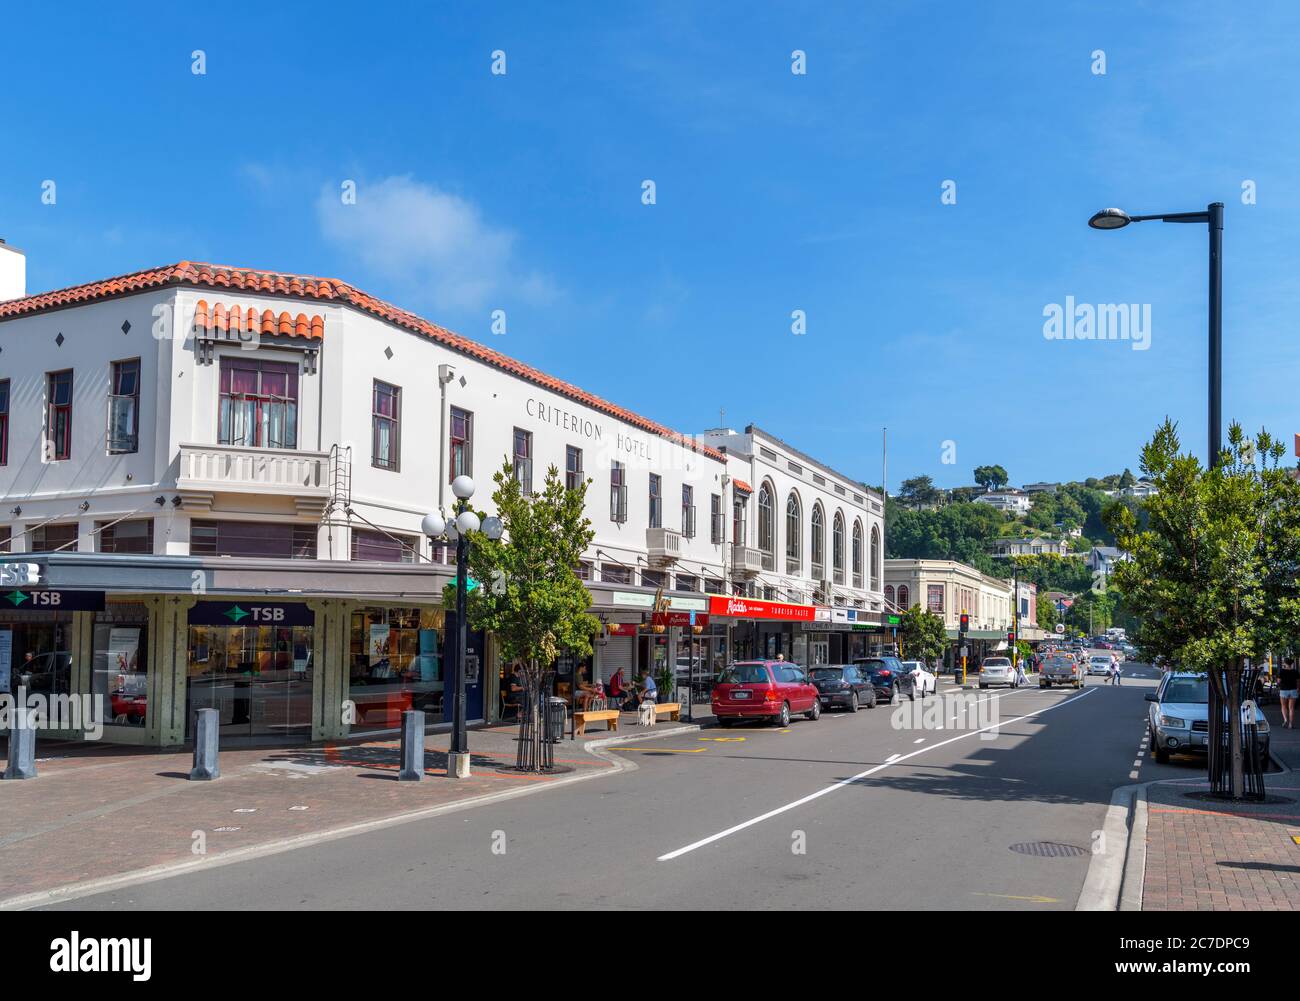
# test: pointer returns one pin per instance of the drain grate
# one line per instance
(1048, 849)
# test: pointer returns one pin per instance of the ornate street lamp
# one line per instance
(458, 530)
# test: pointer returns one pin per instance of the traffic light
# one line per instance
(1011, 637)
(965, 622)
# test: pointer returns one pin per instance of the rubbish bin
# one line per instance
(556, 715)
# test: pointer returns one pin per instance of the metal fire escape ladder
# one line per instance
(340, 499)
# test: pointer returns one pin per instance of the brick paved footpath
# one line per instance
(1226, 856)
(98, 810)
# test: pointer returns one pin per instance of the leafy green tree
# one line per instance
(991, 477)
(535, 604)
(1126, 478)
(1046, 613)
(919, 491)
(922, 635)
(1212, 575)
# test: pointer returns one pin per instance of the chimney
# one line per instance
(13, 273)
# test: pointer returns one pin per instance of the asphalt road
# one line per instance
(846, 812)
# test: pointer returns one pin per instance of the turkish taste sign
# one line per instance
(752, 608)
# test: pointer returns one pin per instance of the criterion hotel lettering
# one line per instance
(566, 419)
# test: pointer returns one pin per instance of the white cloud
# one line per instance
(433, 244)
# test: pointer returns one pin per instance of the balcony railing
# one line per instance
(206, 470)
(746, 561)
(663, 545)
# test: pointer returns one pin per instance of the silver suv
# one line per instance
(1179, 717)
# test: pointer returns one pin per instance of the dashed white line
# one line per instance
(891, 760)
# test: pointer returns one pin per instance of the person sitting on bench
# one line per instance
(646, 688)
(591, 691)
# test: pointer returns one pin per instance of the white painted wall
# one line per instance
(13, 273)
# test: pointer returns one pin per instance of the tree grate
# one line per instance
(1048, 849)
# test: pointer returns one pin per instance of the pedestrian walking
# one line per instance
(1288, 689)
(1021, 678)
(1114, 674)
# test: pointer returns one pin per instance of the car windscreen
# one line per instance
(873, 666)
(827, 673)
(997, 662)
(744, 674)
(1194, 690)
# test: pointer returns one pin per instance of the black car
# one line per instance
(888, 677)
(843, 685)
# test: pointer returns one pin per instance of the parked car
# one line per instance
(45, 674)
(888, 676)
(844, 685)
(1179, 717)
(1061, 669)
(922, 677)
(1100, 664)
(771, 690)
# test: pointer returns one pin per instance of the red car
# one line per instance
(764, 689)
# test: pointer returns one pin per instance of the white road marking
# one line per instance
(892, 760)
(919, 740)
(1133, 774)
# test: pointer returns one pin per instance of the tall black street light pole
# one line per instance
(1213, 218)
(466, 520)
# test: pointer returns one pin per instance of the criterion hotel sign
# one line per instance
(752, 608)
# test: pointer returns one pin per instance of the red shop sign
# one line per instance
(752, 608)
(621, 628)
(678, 619)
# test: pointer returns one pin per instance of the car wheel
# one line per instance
(724, 722)
(871, 703)
(784, 719)
(1162, 754)
(982, 685)
(893, 697)
(853, 702)
(815, 712)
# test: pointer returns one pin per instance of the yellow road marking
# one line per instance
(662, 750)
(1011, 896)
(722, 740)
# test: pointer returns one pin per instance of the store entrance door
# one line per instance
(257, 677)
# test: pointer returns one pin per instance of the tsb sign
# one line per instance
(19, 574)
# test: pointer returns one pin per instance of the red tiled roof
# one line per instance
(742, 486)
(238, 320)
(334, 291)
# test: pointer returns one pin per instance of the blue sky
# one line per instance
(775, 192)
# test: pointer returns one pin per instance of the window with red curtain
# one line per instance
(259, 403)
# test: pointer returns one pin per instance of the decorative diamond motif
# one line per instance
(388, 353)
(126, 326)
(60, 339)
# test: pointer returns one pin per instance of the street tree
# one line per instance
(1213, 573)
(922, 635)
(533, 601)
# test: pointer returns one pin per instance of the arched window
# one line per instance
(875, 558)
(818, 543)
(837, 547)
(857, 554)
(903, 597)
(766, 542)
(793, 533)
(889, 594)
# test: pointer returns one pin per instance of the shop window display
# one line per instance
(120, 676)
(395, 665)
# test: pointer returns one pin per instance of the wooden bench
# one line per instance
(673, 710)
(610, 716)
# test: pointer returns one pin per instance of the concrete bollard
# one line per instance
(22, 746)
(412, 746)
(207, 728)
